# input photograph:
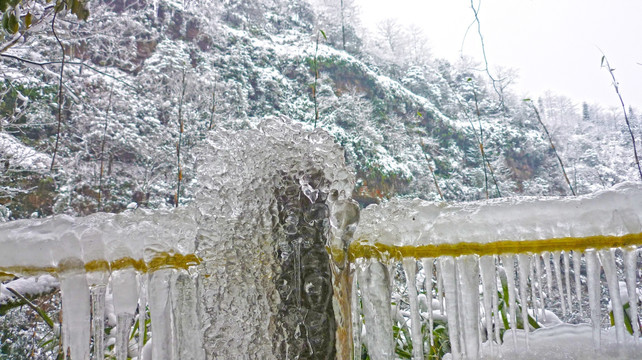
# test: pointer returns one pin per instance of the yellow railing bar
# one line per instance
(160, 261)
(368, 250)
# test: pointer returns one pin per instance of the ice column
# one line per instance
(468, 271)
(524, 269)
(410, 267)
(577, 258)
(593, 284)
(608, 263)
(558, 278)
(487, 270)
(428, 271)
(374, 284)
(509, 265)
(567, 279)
(93, 254)
(124, 277)
(75, 296)
(630, 264)
(450, 288)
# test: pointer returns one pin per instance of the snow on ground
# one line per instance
(22, 155)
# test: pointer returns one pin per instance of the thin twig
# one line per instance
(432, 172)
(18, 35)
(343, 28)
(102, 151)
(481, 149)
(213, 106)
(60, 99)
(43, 64)
(483, 46)
(626, 118)
(314, 87)
(178, 145)
(550, 140)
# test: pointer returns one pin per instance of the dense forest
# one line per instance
(144, 81)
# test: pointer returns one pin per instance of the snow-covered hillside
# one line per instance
(226, 64)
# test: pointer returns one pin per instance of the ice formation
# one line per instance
(272, 200)
(262, 265)
(242, 272)
(490, 255)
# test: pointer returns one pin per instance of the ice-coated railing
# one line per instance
(148, 259)
(489, 267)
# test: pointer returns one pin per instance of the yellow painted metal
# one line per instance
(383, 252)
(161, 260)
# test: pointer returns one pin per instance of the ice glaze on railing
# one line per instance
(482, 276)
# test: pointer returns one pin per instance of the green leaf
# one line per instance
(323, 33)
(5, 21)
(469, 79)
(527, 99)
(28, 19)
(79, 9)
(40, 312)
(3, 5)
(13, 24)
(419, 114)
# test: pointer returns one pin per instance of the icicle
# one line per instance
(428, 263)
(487, 270)
(447, 265)
(630, 263)
(440, 287)
(356, 319)
(76, 324)
(531, 270)
(593, 283)
(142, 313)
(460, 312)
(567, 279)
(98, 320)
(392, 266)
(538, 271)
(468, 271)
(159, 301)
(549, 273)
(498, 337)
(558, 278)
(608, 263)
(374, 282)
(185, 318)
(93, 252)
(509, 265)
(524, 270)
(297, 272)
(125, 289)
(410, 267)
(123, 326)
(577, 256)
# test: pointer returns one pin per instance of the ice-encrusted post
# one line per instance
(274, 200)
